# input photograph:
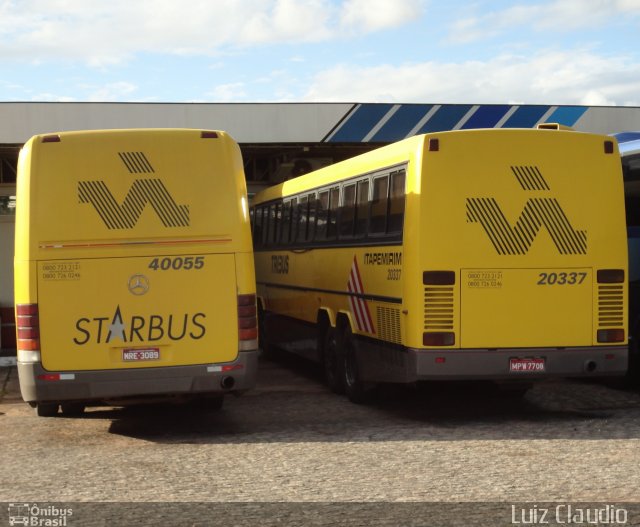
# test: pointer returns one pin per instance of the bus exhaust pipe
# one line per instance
(590, 366)
(227, 383)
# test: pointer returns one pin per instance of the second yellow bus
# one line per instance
(480, 254)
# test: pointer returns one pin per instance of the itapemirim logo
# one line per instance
(544, 212)
(125, 215)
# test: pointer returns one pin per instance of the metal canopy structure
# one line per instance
(278, 140)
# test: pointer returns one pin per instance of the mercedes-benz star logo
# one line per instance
(138, 284)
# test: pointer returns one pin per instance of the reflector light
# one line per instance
(248, 334)
(439, 277)
(51, 139)
(611, 335)
(434, 145)
(609, 356)
(608, 147)
(49, 377)
(247, 319)
(231, 367)
(610, 276)
(27, 328)
(440, 338)
(209, 135)
(440, 360)
(27, 309)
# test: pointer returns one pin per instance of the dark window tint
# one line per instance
(347, 211)
(303, 211)
(332, 221)
(286, 223)
(362, 208)
(312, 215)
(396, 202)
(379, 202)
(322, 215)
(272, 225)
(257, 227)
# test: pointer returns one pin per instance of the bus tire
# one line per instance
(356, 390)
(332, 361)
(72, 409)
(263, 342)
(47, 409)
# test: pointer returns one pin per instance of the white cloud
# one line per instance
(232, 92)
(567, 77)
(103, 33)
(116, 91)
(556, 15)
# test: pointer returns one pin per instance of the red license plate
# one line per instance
(526, 365)
(136, 355)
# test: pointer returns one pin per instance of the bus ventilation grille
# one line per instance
(438, 308)
(610, 305)
(389, 324)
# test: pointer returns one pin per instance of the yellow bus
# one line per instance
(479, 254)
(134, 274)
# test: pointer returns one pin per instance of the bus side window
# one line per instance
(396, 202)
(347, 214)
(322, 215)
(294, 221)
(379, 202)
(332, 220)
(277, 225)
(257, 227)
(362, 208)
(265, 225)
(271, 225)
(303, 211)
(313, 204)
(286, 223)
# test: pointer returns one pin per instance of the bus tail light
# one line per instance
(208, 134)
(610, 335)
(28, 332)
(247, 322)
(610, 276)
(439, 338)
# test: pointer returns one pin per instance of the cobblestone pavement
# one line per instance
(292, 440)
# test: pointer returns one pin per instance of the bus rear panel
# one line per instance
(134, 270)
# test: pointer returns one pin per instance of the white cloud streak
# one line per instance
(552, 77)
(557, 15)
(103, 33)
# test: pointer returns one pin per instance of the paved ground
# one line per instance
(291, 440)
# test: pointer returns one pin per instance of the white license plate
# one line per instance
(526, 365)
(136, 355)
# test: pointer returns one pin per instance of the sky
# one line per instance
(396, 51)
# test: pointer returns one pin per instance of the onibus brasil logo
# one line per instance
(39, 515)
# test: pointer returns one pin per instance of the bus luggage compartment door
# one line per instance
(136, 312)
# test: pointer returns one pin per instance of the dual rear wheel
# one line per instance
(341, 366)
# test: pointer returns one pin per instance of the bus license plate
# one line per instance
(136, 355)
(526, 365)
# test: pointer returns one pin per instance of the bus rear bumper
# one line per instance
(38, 385)
(514, 364)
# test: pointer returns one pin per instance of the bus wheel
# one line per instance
(357, 391)
(47, 409)
(331, 361)
(72, 409)
(263, 342)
